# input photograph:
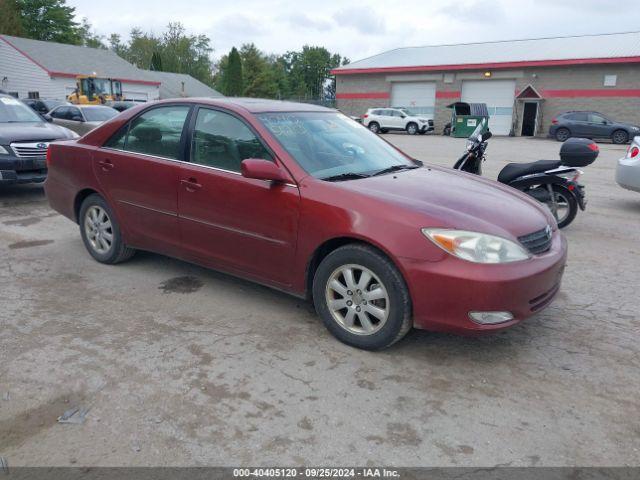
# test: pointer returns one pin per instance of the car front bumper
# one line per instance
(445, 293)
(22, 170)
(628, 174)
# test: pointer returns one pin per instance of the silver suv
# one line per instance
(382, 120)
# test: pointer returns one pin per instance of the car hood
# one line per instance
(452, 199)
(36, 131)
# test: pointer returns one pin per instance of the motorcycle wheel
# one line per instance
(563, 205)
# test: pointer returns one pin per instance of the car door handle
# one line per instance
(191, 185)
(106, 165)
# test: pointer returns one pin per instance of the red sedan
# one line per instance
(305, 200)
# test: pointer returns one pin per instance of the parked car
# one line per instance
(628, 169)
(82, 118)
(43, 105)
(591, 125)
(301, 198)
(382, 120)
(24, 138)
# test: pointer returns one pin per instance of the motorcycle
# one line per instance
(552, 182)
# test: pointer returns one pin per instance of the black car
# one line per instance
(24, 139)
(123, 105)
(43, 105)
(591, 125)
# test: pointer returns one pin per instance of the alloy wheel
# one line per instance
(357, 300)
(98, 229)
(559, 206)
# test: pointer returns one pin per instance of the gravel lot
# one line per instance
(184, 366)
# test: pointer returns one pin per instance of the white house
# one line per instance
(37, 69)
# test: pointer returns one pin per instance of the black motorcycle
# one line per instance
(552, 182)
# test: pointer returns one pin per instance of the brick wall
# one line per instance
(557, 81)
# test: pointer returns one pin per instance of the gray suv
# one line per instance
(591, 125)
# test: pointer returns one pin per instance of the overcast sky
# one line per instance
(361, 28)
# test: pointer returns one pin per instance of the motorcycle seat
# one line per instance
(515, 170)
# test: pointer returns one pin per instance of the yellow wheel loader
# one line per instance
(91, 90)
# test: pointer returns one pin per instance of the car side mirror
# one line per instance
(47, 117)
(487, 135)
(77, 118)
(403, 116)
(261, 169)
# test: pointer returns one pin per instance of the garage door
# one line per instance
(133, 95)
(419, 97)
(499, 96)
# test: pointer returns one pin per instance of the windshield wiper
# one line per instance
(345, 176)
(395, 168)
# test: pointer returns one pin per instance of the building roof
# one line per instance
(587, 49)
(177, 85)
(62, 60)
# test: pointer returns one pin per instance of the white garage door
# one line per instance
(133, 95)
(419, 97)
(499, 96)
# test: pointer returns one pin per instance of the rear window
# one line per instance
(99, 114)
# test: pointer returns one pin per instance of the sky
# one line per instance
(358, 29)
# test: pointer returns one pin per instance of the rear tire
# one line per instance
(101, 233)
(562, 134)
(362, 298)
(567, 205)
(412, 128)
(620, 137)
(374, 127)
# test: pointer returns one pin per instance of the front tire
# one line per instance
(101, 233)
(362, 298)
(620, 137)
(412, 128)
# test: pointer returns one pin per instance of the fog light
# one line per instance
(490, 318)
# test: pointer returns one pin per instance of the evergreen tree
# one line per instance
(232, 81)
(10, 22)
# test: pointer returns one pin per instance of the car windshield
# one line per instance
(14, 111)
(99, 114)
(329, 144)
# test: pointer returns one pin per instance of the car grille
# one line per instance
(537, 242)
(30, 150)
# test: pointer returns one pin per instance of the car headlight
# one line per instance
(3, 151)
(476, 247)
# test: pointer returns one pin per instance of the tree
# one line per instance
(156, 62)
(232, 81)
(88, 37)
(10, 22)
(49, 20)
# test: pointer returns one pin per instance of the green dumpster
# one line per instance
(465, 117)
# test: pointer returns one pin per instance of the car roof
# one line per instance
(253, 105)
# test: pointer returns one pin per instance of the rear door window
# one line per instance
(60, 112)
(578, 117)
(156, 132)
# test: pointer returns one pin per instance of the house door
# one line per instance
(529, 117)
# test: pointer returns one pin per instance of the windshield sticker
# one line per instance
(9, 101)
(285, 125)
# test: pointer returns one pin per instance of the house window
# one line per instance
(34, 94)
(610, 80)
(14, 94)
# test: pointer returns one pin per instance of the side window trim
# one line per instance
(192, 129)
